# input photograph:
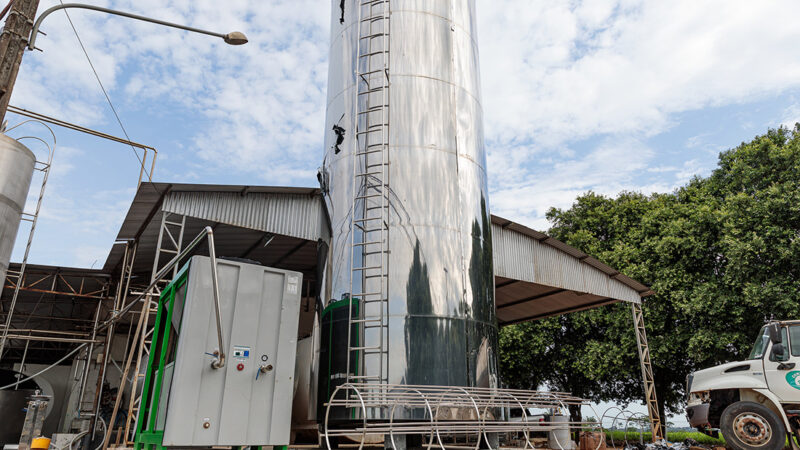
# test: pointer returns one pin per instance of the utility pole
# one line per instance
(13, 42)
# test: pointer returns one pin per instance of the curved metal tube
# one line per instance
(209, 233)
(35, 30)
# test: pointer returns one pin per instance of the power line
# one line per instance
(105, 93)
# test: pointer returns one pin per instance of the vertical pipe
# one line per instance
(22, 363)
(220, 362)
(89, 351)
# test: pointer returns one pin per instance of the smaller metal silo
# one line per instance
(16, 171)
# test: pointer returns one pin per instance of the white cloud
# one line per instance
(559, 71)
(608, 169)
(571, 90)
(791, 116)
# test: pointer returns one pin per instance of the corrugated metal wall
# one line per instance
(520, 257)
(294, 215)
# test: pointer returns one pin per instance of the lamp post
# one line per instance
(232, 38)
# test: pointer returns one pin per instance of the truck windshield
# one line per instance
(760, 345)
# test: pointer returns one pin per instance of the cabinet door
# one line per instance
(783, 373)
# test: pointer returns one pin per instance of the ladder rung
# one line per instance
(367, 320)
(370, 151)
(359, 244)
(376, 165)
(369, 131)
(377, 276)
(380, 300)
(360, 197)
(380, 52)
(358, 349)
(374, 19)
(166, 250)
(371, 72)
(177, 224)
(367, 219)
(377, 207)
(373, 36)
(372, 90)
(372, 110)
(359, 269)
(376, 253)
(372, 230)
(368, 174)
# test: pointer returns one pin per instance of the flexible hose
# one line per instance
(77, 436)
(45, 369)
(105, 430)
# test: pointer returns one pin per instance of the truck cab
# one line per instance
(755, 403)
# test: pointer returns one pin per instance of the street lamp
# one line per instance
(232, 38)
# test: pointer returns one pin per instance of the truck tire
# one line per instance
(752, 426)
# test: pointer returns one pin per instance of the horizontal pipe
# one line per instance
(32, 330)
(23, 337)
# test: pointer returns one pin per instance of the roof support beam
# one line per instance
(290, 252)
(601, 302)
(529, 299)
(265, 240)
(505, 283)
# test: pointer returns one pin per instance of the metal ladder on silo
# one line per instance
(369, 276)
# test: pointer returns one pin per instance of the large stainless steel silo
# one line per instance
(16, 171)
(409, 280)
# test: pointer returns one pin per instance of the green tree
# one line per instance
(721, 255)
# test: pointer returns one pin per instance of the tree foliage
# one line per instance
(721, 253)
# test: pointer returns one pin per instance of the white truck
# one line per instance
(754, 403)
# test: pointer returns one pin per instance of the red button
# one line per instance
(240, 367)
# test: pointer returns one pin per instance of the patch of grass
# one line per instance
(672, 436)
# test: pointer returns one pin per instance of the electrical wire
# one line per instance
(6, 9)
(105, 93)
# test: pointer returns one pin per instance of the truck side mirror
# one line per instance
(774, 333)
(778, 352)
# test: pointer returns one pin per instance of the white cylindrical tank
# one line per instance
(16, 171)
(442, 328)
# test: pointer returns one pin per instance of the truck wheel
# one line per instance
(752, 426)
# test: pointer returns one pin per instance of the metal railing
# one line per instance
(444, 413)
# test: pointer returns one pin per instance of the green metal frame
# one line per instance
(147, 437)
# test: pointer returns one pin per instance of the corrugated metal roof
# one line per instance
(292, 212)
(537, 276)
(510, 234)
(294, 215)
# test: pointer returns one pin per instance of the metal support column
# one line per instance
(647, 372)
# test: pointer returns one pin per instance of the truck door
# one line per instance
(783, 373)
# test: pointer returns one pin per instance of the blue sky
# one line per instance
(601, 95)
